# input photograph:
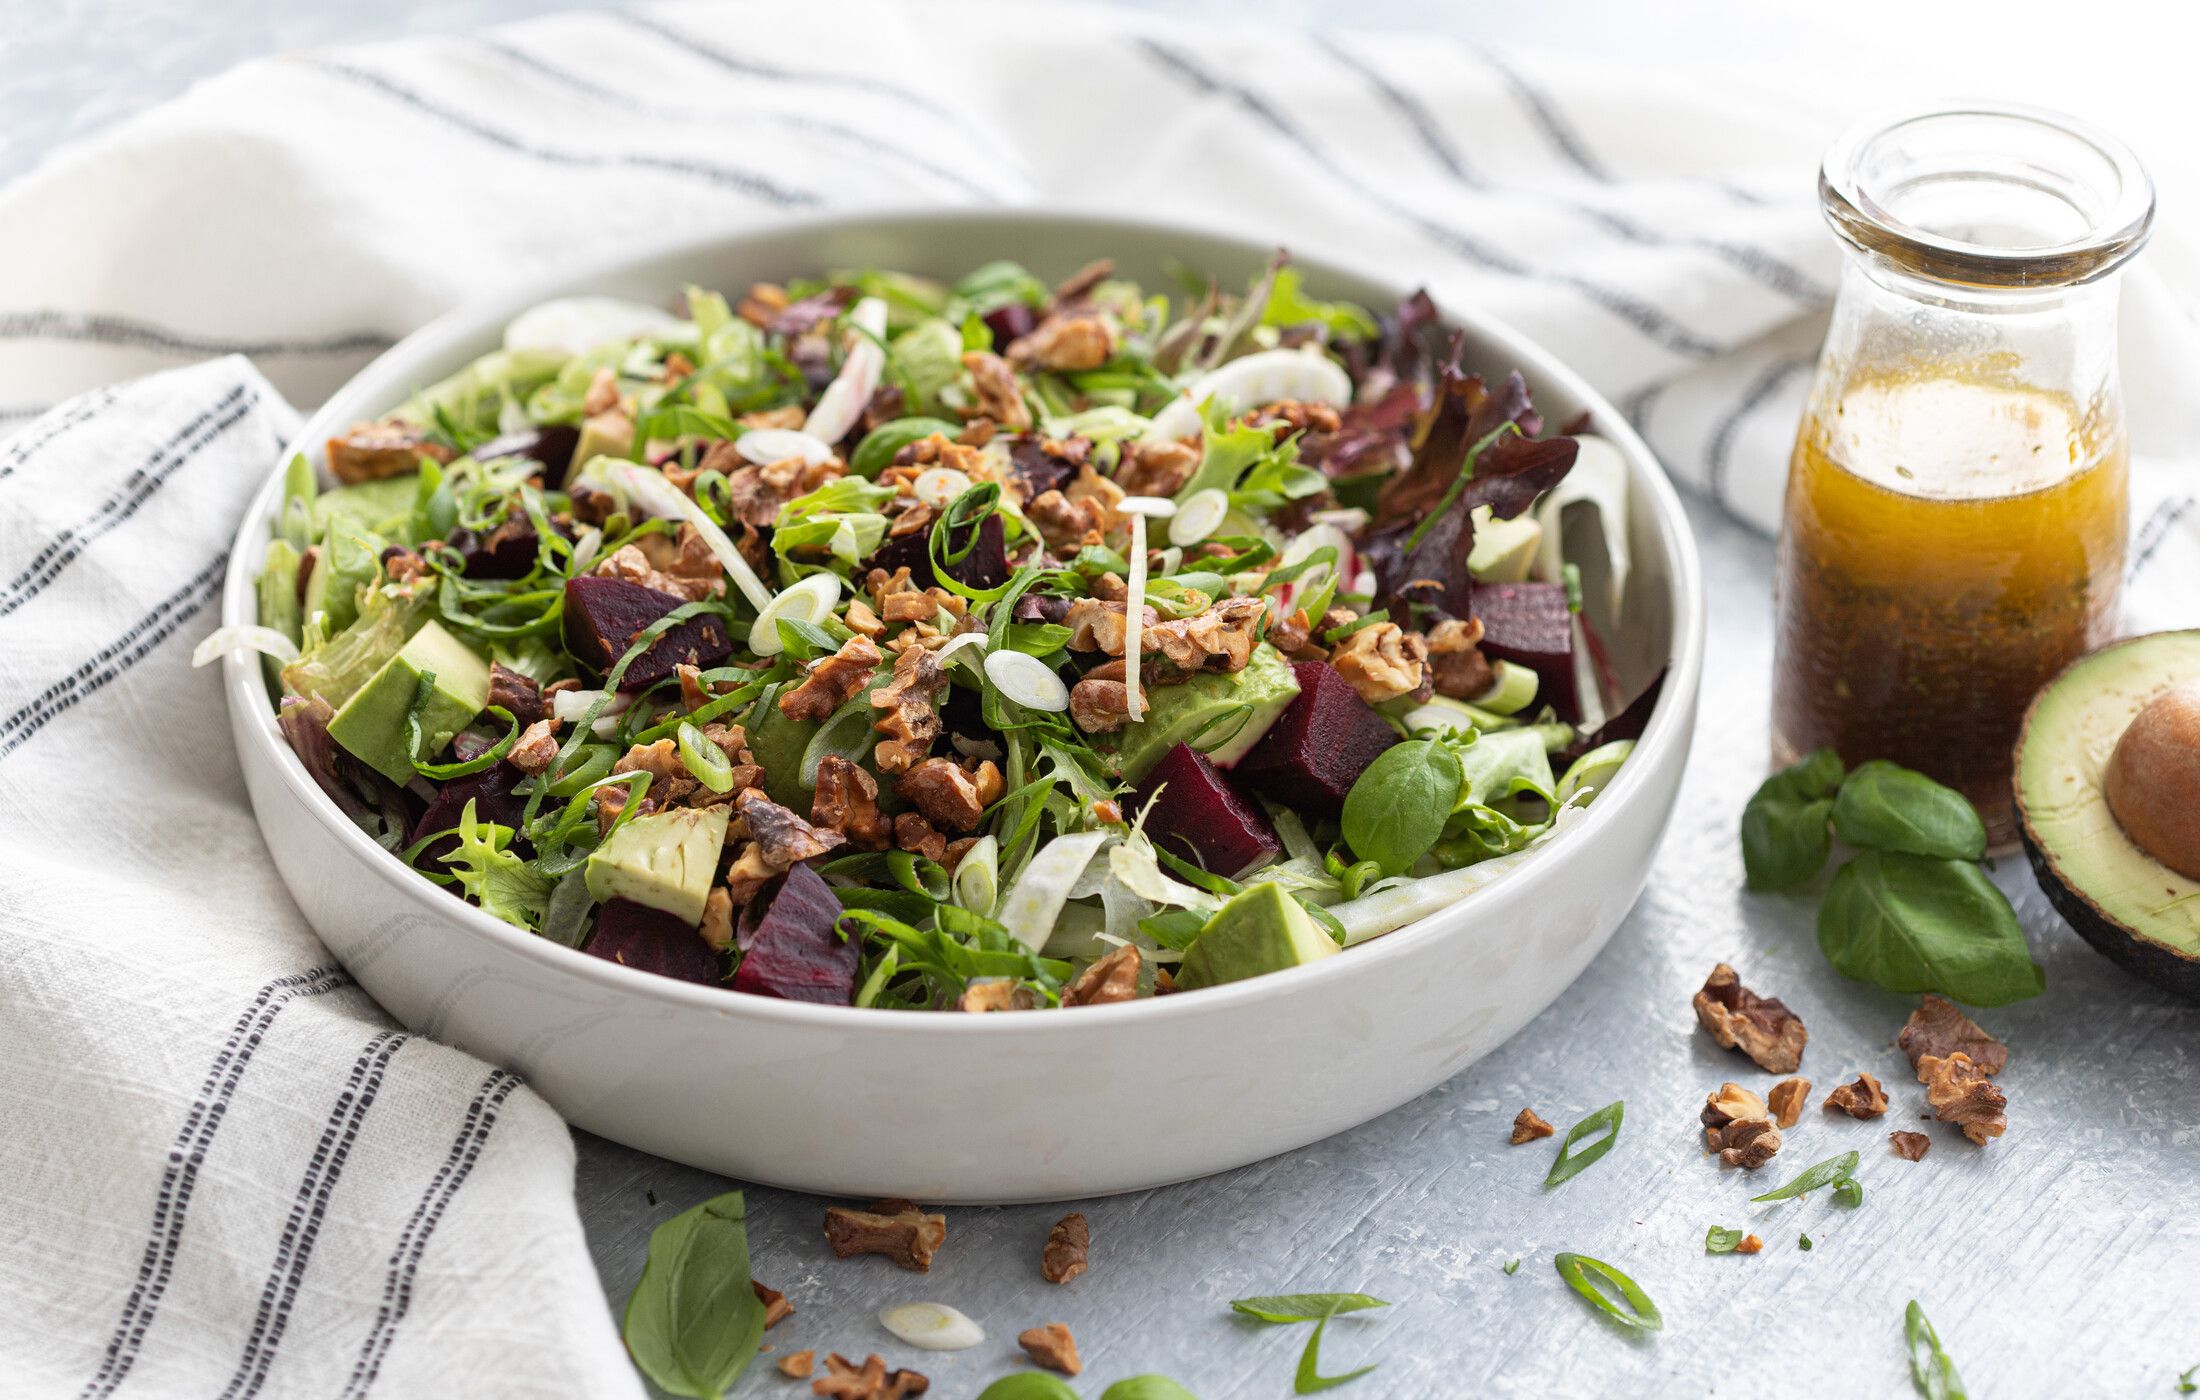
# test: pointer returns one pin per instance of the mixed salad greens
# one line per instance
(886, 642)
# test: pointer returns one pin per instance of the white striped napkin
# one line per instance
(223, 1171)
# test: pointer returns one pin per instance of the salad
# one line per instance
(884, 642)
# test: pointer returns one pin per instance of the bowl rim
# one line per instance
(247, 692)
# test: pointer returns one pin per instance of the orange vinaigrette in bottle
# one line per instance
(1956, 506)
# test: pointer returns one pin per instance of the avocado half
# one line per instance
(2134, 908)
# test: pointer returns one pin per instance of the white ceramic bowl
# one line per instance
(959, 1108)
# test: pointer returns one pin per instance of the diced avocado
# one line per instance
(1260, 930)
(666, 860)
(604, 435)
(346, 562)
(371, 726)
(1221, 715)
(371, 507)
(1504, 550)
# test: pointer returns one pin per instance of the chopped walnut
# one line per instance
(1528, 1125)
(844, 1380)
(782, 838)
(1960, 1093)
(1863, 1099)
(517, 693)
(948, 796)
(995, 391)
(1067, 525)
(1050, 1345)
(776, 1307)
(717, 925)
(831, 681)
(669, 779)
(1096, 624)
(791, 416)
(1455, 659)
(603, 392)
(754, 493)
(1157, 468)
(1099, 706)
(1068, 1249)
(609, 803)
(1737, 1126)
(893, 1227)
(846, 801)
(862, 621)
(919, 605)
(1938, 1028)
(749, 873)
(797, 1365)
(1910, 1147)
(997, 994)
(372, 451)
(1750, 1144)
(1787, 1099)
(1287, 416)
(913, 833)
(633, 564)
(537, 748)
(1067, 344)
(1382, 661)
(1761, 1027)
(909, 722)
(1750, 1244)
(1731, 1103)
(1111, 977)
(1221, 638)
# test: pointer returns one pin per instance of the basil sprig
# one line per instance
(1931, 1371)
(693, 1322)
(1582, 1275)
(1784, 838)
(1396, 809)
(1832, 1172)
(1571, 1163)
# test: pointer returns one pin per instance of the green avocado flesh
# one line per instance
(2130, 906)
(665, 860)
(371, 726)
(373, 507)
(1221, 715)
(1260, 930)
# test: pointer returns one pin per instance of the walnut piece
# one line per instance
(1736, 1125)
(1157, 468)
(1731, 1103)
(798, 1364)
(1066, 343)
(1960, 1093)
(1221, 638)
(913, 833)
(1760, 1027)
(372, 451)
(776, 1307)
(1787, 1099)
(994, 388)
(1910, 1147)
(1750, 1143)
(537, 748)
(516, 692)
(1112, 977)
(1382, 661)
(782, 838)
(717, 925)
(909, 721)
(1863, 1099)
(1050, 1345)
(1068, 1248)
(832, 681)
(1528, 1126)
(846, 801)
(1938, 1028)
(1455, 660)
(948, 796)
(844, 1380)
(997, 994)
(669, 779)
(1099, 706)
(893, 1227)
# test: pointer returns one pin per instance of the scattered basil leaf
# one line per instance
(1396, 809)
(1512, 1268)
(1304, 1307)
(1926, 924)
(1146, 1388)
(1886, 807)
(1309, 1380)
(1720, 1240)
(1803, 1241)
(1029, 1385)
(1640, 1315)
(1826, 1173)
(1784, 836)
(1571, 1163)
(693, 1322)
(1931, 1371)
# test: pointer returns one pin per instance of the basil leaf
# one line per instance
(1931, 1371)
(1923, 924)
(693, 1322)
(1146, 1388)
(876, 452)
(1396, 810)
(1028, 1385)
(1825, 1173)
(1720, 1240)
(1784, 838)
(1887, 807)
(1304, 1307)
(1570, 1163)
(1309, 1380)
(1581, 1274)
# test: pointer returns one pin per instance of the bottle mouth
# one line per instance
(1988, 195)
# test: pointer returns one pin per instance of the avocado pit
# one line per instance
(2152, 781)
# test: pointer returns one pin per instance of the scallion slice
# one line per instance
(704, 759)
(1571, 1163)
(1581, 1273)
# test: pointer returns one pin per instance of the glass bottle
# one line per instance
(1955, 518)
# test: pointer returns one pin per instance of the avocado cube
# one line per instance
(1260, 930)
(665, 860)
(1220, 714)
(1504, 550)
(371, 726)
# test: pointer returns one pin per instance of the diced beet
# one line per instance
(635, 935)
(1530, 625)
(985, 566)
(490, 791)
(551, 444)
(1318, 747)
(603, 614)
(1010, 324)
(1038, 471)
(1627, 724)
(1200, 817)
(793, 951)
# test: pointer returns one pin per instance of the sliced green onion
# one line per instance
(596, 761)
(880, 975)
(1304, 1307)
(1308, 1380)
(978, 876)
(811, 600)
(1848, 1191)
(1587, 775)
(1640, 1315)
(1512, 691)
(704, 759)
(1931, 1371)
(441, 772)
(1571, 1163)
(918, 875)
(1826, 1173)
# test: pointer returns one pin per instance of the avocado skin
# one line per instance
(2149, 961)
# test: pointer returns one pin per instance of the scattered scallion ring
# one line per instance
(1640, 1315)
(704, 759)
(1571, 1163)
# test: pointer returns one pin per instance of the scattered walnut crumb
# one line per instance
(1750, 1144)
(1068, 1246)
(1787, 1099)
(844, 1380)
(798, 1364)
(997, 994)
(1527, 1127)
(776, 1307)
(1863, 1099)
(1760, 1027)
(1960, 1093)
(893, 1227)
(1938, 1028)
(1051, 1346)
(1750, 1245)
(1113, 977)
(1910, 1147)
(1736, 1126)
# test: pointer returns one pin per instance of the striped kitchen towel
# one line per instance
(223, 1171)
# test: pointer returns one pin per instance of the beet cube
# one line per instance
(1038, 471)
(985, 566)
(1318, 747)
(792, 950)
(1530, 625)
(1010, 324)
(551, 444)
(1198, 816)
(603, 614)
(635, 935)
